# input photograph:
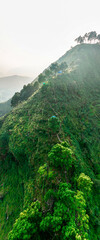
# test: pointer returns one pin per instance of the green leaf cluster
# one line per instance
(61, 156)
(27, 225)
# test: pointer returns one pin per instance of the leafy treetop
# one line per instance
(88, 37)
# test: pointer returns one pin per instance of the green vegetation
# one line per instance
(61, 156)
(88, 37)
(24, 94)
(41, 78)
(64, 214)
(27, 225)
(49, 155)
(31, 88)
(54, 124)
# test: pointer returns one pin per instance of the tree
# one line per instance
(88, 37)
(26, 226)
(85, 37)
(63, 66)
(54, 124)
(15, 99)
(24, 94)
(68, 219)
(79, 39)
(84, 184)
(54, 67)
(41, 78)
(47, 73)
(98, 37)
(36, 86)
(61, 156)
(82, 218)
(92, 36)
(57, 222)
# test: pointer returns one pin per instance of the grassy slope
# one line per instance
(26, 138)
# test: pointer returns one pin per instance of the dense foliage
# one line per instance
(64, 215)
(31, 88)
(49, 155)
(24, 94)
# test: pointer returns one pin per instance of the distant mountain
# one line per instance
(11, 84)
(50, 153)
(5, 107)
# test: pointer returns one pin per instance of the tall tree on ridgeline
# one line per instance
(85, 37)
(92, 36)
(88, 37)
(79, 39)
(98, 37)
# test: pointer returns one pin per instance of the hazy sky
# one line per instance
(35, 33)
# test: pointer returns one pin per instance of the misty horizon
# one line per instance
(33, 34)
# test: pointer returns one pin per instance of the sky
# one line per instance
(35, 33)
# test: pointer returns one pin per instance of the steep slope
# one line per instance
(84, 56)
(63, 111)
(11, 84)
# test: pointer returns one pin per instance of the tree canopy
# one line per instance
(88, 37)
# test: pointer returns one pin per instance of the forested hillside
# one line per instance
(49, 153)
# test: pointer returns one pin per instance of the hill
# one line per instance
(49, 154)
(11, 84)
